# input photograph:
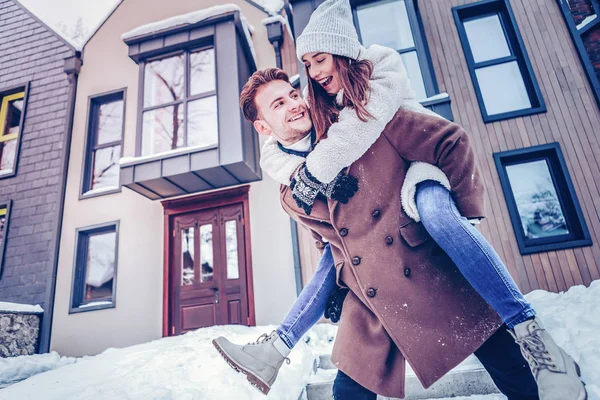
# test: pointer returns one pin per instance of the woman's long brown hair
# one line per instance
(354, 80)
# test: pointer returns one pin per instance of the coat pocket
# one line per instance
(414, 233)
(339, 266)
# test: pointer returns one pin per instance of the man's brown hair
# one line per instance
(249, 90)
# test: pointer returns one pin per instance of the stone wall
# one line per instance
(19, 333)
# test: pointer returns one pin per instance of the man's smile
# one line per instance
(297, 116)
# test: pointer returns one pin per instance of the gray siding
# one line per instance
(31, 53)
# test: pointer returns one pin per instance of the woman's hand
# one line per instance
(306, 188)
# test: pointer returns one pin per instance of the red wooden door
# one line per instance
(208, 271)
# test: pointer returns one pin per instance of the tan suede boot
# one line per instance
(556, 373)
(259, 361)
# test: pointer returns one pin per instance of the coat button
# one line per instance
(407, 272)
(371, 292)
(376, 214)
(389, 240)
(355, 260)
(343, 232)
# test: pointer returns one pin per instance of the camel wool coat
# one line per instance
(407, 299)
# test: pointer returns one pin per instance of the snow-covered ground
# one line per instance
(184, 367)
(188, 366)
(16, 369)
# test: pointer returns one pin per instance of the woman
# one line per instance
(353, 93)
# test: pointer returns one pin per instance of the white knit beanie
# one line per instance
(330, 30)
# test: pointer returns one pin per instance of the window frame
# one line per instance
(80, 266)
(186, 50)
(421, 46)
(94, 102)
(8, 91)
(579, 235)
(517, 48)
(4, 204)
(576, 36)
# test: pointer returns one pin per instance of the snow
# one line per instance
(192, 18)
(272, 6)
(586, 21)
(179, 367)
(16, 369)
(20, 308)
(278, 18)
(125, 161)
(573, 319)
(100, 190)
(440, 96)
(188, 366)
(96, 303)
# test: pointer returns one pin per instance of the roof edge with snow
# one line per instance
(101, 23)
(65, 40)
(179, 21)
(192, 20)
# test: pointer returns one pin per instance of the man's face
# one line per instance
(282, 113)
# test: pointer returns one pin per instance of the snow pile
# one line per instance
(20, 308)
(15, 369)
(573, 319)
(180, 367)
(320, 338)
(189, 367)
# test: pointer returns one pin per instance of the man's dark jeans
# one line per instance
(500, 356)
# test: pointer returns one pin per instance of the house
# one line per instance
(169, 224)
(522, 77)
(38, 72)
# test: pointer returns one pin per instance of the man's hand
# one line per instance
(305, 188)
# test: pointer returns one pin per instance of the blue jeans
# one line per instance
(500, 356)
(309, 307)
(470, 251)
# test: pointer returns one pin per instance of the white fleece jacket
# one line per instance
(350, 138)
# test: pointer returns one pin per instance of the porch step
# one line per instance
(471, 379)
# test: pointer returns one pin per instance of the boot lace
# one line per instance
(535, 352)
(266, 338)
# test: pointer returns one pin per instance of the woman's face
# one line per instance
(321, 68)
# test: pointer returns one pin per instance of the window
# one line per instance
(542, 203)
(94, 278)
(500, 69)
(4, 216)
(179, 102)
(583, 21)
(12, 106)
(104, 144)
(397, 24)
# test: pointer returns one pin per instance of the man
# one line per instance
(428, 315)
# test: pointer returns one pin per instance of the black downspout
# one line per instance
(287, 7)
(275, 35)
(72, 67)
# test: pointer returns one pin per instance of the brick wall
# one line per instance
(591, 41)
(580, 9)
(29, 52)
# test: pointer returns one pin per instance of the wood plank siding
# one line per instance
(572, 119)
